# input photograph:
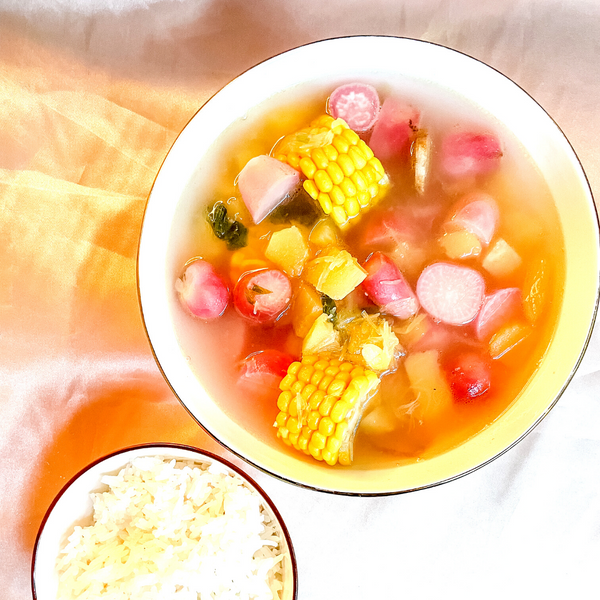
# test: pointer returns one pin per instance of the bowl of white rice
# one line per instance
(157, 522)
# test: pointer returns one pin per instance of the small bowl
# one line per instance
(171, 203)
(73, 506)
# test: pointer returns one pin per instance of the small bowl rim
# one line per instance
(154, 450)
(577, 360)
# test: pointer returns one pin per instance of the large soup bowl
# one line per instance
(172, 203)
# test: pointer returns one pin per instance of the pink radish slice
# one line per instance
(264, 183)
(265, 369)
(466, 154)
(394, 129)
(479, 215)
(201, 291)
(357, 104)
(385, 285)
(262, 296)
(498, 308)
(450, 293)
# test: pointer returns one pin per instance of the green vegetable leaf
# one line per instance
(229, 230)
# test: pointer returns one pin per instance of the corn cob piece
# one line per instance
(321, 403)
(341, 172)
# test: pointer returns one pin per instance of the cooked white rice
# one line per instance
(173, 529)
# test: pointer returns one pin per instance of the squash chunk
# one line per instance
(288, 249)
(306, 307)
(335, 272)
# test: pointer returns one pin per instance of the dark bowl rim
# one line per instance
(535, 424)
(166, 446)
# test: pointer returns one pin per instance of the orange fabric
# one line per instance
(79, 151)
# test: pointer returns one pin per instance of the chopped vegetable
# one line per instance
(244, 260)
(394, 130)
(306, 307)
(288, 249)
(201, 291)
(321, 403)
(507, 338)
(264, 183)
(262, 371)
(460, 245)
(322, 337)
(329, 307)
(334, 272)
(468, 153)
(231, 231)
(324, 233)
(502, 259)
(478, 214)
(498, 308)
(388, 288)
(299, 208)
(356, 103)
(450, 293)
(341, 172)
(469, 375)
(535, 290)
(421, 159)
(262, 296)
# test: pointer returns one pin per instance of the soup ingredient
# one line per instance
(421, 159)
(164, 525)
(335, 273)
(502, 259)
(341, 172)
(461, 244)
(288, 249)
(356, 103)
(498, 308)
(244, 260)
(387, 287)
(261, 372)
(233, 232)
(470, 153)
(451, 293)
(478, 215)
(535, 289)
(507, 338)
(264, 183)
(201, 291)
(394, 130)
(322, 337)
(321, 403)
(469, 375)
(262, 296)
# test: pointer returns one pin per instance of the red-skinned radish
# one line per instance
(497, 309)
(262, 296)
(357, 104)
(478, 214)
(201, 290)
(468, 153)
(469, 375)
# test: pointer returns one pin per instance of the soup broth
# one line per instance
(482, 364)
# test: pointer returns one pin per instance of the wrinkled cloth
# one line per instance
(90, 102)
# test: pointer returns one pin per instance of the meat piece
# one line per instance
(356, 103)
(262, 296)
(468, 153)
(201, 291)
(385, 285)
(478, 214)
(264, 183)
(450, 293)
(394, 130)
(498, 308)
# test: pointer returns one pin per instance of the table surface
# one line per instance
(92, 94)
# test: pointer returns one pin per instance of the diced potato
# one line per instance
(460, 244)
(535, 290)
(324, 234)
(322, 337)
(428, 383)
(508, 338)
(379, 421)
(288, 249)
(335, 272)
(306, 307)
(502, 259)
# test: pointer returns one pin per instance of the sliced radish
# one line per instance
(498, 308)
(394, 129)
(469, 375)
(478, 214)
(467, 153)
(450, 293)
(264, 183)
(201, 291)
(385, 285)
(262, 296)
(356, 103)
(265, 369)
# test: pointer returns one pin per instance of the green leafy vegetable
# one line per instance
(329, 307)
(231, 231)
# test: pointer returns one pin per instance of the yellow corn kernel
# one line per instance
(373, 190)
(338, 412)
(316, 377)
(363, 199)
(313, 420)
(293, 439)
(296, 387)
(316, 398)
(281, 418)
(337, 196)
(283, 401)
(336, 387)
(331, 153)
(305, 373)
(293, 159)
(359, 180)
(334, 443)
(346, 165)
(376, 164)
(292, 425)
(335, 172)
(352, 207)
(326, 406)
(347, 186)
(357, 157)
(351, 136)
(286, 382)
(370, 174)
(339, 215)
(323, 181)
(325, 381)
(311, 189)
(340, 144)
(319, 158)
(341, 429)
(325, 202)
(364, 148)
(318, 440)
(326, 427)
(308, 167)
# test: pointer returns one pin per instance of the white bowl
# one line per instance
(171, 202)
(73, 506)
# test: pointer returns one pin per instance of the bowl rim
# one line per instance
(567, 380)
(154, 449)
